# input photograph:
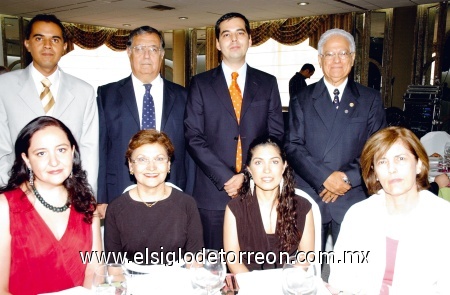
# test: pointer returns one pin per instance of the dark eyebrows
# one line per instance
(41, 35)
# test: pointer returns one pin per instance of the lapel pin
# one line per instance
(346, 111)
(352, 104)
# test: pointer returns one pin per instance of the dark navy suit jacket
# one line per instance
(320, 140)
(119, 121)
(212, 129)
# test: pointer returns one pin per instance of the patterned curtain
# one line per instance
(91, 37)
(293, 31)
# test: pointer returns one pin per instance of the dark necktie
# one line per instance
(148, 110)
(336, 98)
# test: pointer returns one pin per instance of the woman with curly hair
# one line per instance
(46, 214)
(267, 216)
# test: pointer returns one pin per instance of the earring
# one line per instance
(71, 174)
(131, 172)
(252, 185)
(31, 176)
(281, 185)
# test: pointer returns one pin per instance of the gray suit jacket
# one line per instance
(75, 106)
(320, 140)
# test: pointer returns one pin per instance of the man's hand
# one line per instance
(336, 184)
(101, 210)
(234, 184)
(328, 196)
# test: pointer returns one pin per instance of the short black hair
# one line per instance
(145, 30)
(309, 67)
(231, 15)
(48, 18)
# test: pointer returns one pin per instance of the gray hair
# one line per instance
(336, 32)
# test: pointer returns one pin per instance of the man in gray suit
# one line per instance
(329, 123)
(24, 97)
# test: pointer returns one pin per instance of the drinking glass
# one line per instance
(447, 154)
(299, 278)
(110, 279)
(208, 272)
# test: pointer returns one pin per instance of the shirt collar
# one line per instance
(155, 83)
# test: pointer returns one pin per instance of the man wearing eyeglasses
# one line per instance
(329, 123)
(123, 111)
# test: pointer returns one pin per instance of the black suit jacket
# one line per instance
(119, 121)
(297, 82)
(212, 129)
(320, 140)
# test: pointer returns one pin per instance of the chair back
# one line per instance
(434, 142)
(317, 223)
(167, 183)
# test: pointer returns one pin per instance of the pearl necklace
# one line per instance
(47, 205)
(151, 204)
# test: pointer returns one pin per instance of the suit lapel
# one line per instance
(28, 92)
(219, 86)
(168, 102)
(323, 105)
(64, 97)
(129, 99)
(348, 104)
(251, 88)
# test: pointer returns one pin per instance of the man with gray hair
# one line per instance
(121, 107)
(329, 123)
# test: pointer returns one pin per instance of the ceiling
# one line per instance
(200, 13)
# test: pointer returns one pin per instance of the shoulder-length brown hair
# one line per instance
(379, 143)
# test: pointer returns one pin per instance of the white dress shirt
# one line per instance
(53, 78)
(157, 92)
(331, 88)
(227, 71)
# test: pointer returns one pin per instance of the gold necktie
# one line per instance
(236, 98)
(46, 96)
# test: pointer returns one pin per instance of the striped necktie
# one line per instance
(46, 96)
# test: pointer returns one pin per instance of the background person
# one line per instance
(121, 106)
(402, 224)
(267, 215)
(46, 214)
(329, 123)
(298, 81)
(73, 100)
(217, 132)
(152, 215)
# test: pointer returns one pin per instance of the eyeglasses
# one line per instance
(343, 55)
(143, 161)
(141, 49)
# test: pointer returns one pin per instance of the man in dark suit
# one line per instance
(214, 130)
(329, 123)
(120, 111)
(298, 81)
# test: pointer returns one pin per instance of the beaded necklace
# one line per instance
(47, 205)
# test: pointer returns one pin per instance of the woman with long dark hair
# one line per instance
(46, 214)
(267, 216)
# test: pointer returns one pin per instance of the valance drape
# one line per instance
(91, 37)
(293, 31)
